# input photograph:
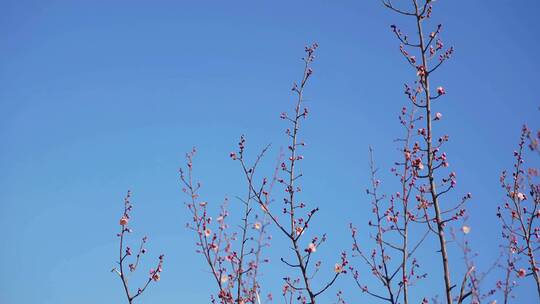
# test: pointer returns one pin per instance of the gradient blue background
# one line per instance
(98, 97)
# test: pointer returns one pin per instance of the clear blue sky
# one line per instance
(103, 96)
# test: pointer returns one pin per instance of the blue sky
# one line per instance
(103, 96)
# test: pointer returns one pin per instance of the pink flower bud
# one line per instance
(311, 247)
(441, 91)
(124, 220)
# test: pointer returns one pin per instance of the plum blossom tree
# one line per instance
(422, 172)
(236, 270)
(418, 214)
(294, 223)
(519, 216)
(125, 252)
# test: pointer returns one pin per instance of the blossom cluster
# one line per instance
(233, 257)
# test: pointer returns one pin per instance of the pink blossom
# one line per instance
(418, 164)
(285, 288)
(124, 220)
(338, 268)
(421, 71)
(441, 91)
(224, 278)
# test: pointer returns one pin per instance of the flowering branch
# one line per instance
(428, 154)
(391, 219)
(294, 227)
(472, 275)
(126, 252)
(519, 215)
(235, 272)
